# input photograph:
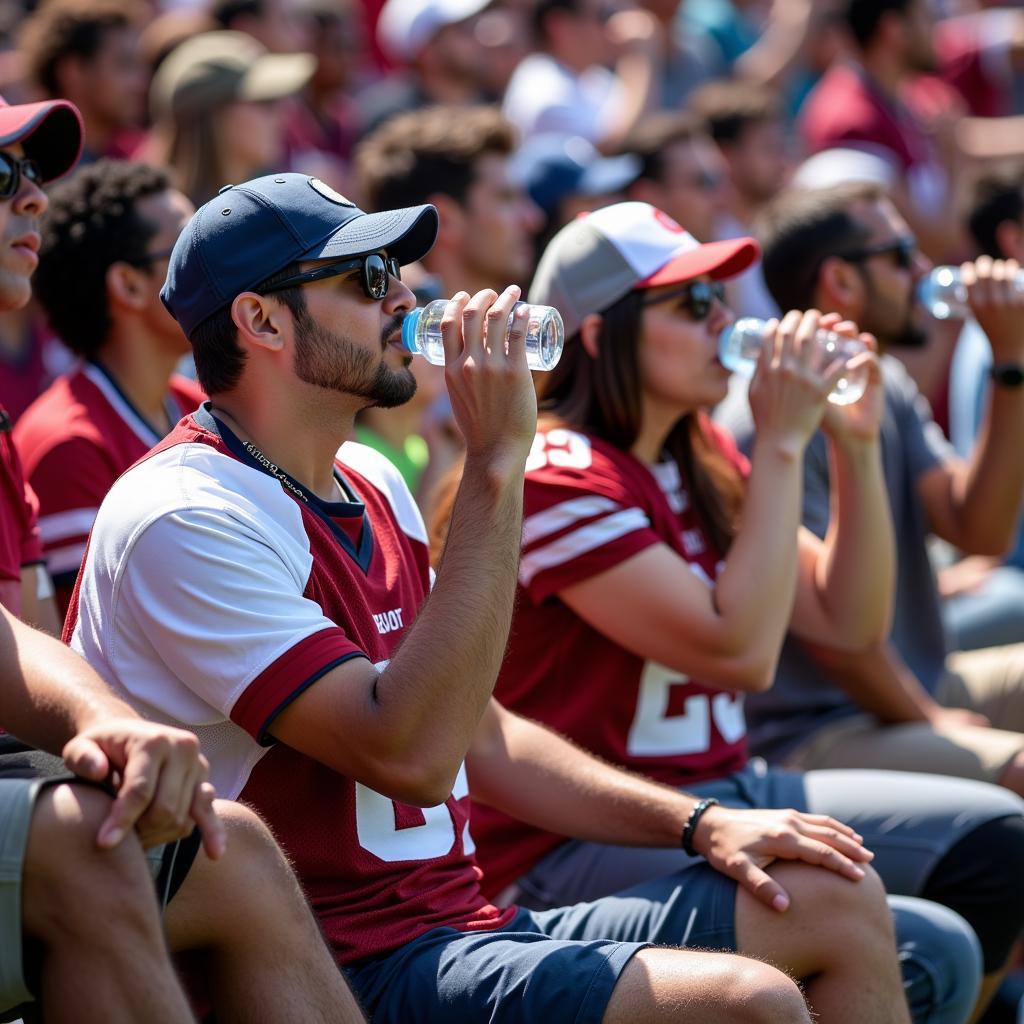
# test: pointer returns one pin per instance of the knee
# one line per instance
(861, 906)
(760, 994)
(68, 881)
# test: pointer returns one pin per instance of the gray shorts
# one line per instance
(910, 821)
(18, 796)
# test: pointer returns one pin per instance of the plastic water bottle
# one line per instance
(739, 347)
(545, 333)
(943, 294)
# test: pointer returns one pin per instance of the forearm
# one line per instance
(431, 696)
(765, 549)
(987, 497)
(638, 75)
(49, 694)
(877, 680)
(539, 777)
(856, 574)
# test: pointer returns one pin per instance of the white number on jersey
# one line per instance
(378, 832)
(656, 733)
(560, 448)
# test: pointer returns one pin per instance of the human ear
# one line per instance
(260, 320)
(590, 331)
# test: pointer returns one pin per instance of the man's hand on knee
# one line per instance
(161, 781)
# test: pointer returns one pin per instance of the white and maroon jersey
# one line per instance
(589, 507)
(75, 440)
(213, 594)
(19, 531)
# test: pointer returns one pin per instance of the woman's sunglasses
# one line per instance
(11, 171)
(699, 297)
(375, 278)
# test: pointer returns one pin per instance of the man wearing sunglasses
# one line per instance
(271, 586)
(107, 236)
(906, 706)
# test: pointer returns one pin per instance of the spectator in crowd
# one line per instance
(277, 24)
(686, 59)
(216, 111)
(566, 176)
(906, 705)
(983, 595)
(72, 857)
(345, 704)
(565, 87)
(320, 123)
(107, 238)
(862, 102)
(88, 52)
(434, 42)
(682, 172)
(457, 160)
(747, 124)
(637, 633)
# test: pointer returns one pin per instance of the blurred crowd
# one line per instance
(862, 143)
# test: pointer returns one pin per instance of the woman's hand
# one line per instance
(742, 843)
(859, 421)
(788, 392)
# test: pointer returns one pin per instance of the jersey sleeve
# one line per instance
(71, 480)
(221, 603)
(23, 507)
(923, 441)
(581, 515)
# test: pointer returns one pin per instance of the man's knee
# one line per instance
(760, 994)
(68, 881)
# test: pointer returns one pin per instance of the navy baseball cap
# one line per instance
(250, 232)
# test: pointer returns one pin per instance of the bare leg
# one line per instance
(675, 986)
(1012, 776)
(96, 914)
(270, 963)
(838, 935)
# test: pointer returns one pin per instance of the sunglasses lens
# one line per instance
(30, 169)
(375, 273)
(394, 268)
(8, 176)
(700, 300)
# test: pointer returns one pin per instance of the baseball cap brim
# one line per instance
(276, 75)
(51, 133)
(406, 234)
(717, 259)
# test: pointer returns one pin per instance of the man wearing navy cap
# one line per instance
(266, 585)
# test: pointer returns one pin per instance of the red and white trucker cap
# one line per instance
(599, 257)
(51, 133)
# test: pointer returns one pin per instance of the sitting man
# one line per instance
(296, 637)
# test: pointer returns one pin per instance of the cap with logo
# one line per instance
(249, 232)
(51, 133)
(598, 258)
(406, 26)
(215, 68)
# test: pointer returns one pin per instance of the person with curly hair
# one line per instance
(106, 241)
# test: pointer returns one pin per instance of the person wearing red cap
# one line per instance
(76, 867)
(660, 573)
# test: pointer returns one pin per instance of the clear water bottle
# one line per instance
(739, 347)
(545, 333)
(943, 294)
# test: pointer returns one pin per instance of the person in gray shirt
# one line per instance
(907, 704)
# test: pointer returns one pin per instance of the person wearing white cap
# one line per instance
(659, 576)
(435, 43)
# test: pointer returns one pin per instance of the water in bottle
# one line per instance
(545, 333)
(739, 347)
(943, 294)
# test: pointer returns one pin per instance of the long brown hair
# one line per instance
(602, 396)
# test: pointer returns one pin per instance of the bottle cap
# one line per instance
(409, 322)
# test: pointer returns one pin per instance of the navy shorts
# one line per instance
(553, 965)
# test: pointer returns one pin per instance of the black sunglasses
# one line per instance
(699, 297)
(377, 272)
(11, 170)
(904, 249)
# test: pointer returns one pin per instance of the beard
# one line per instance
(336, 363)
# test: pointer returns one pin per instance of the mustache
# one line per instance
(393, 325)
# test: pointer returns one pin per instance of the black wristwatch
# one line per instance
(1007, 375)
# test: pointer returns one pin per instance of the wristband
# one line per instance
(691, 824)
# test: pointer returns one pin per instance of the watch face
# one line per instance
(1009, 375)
